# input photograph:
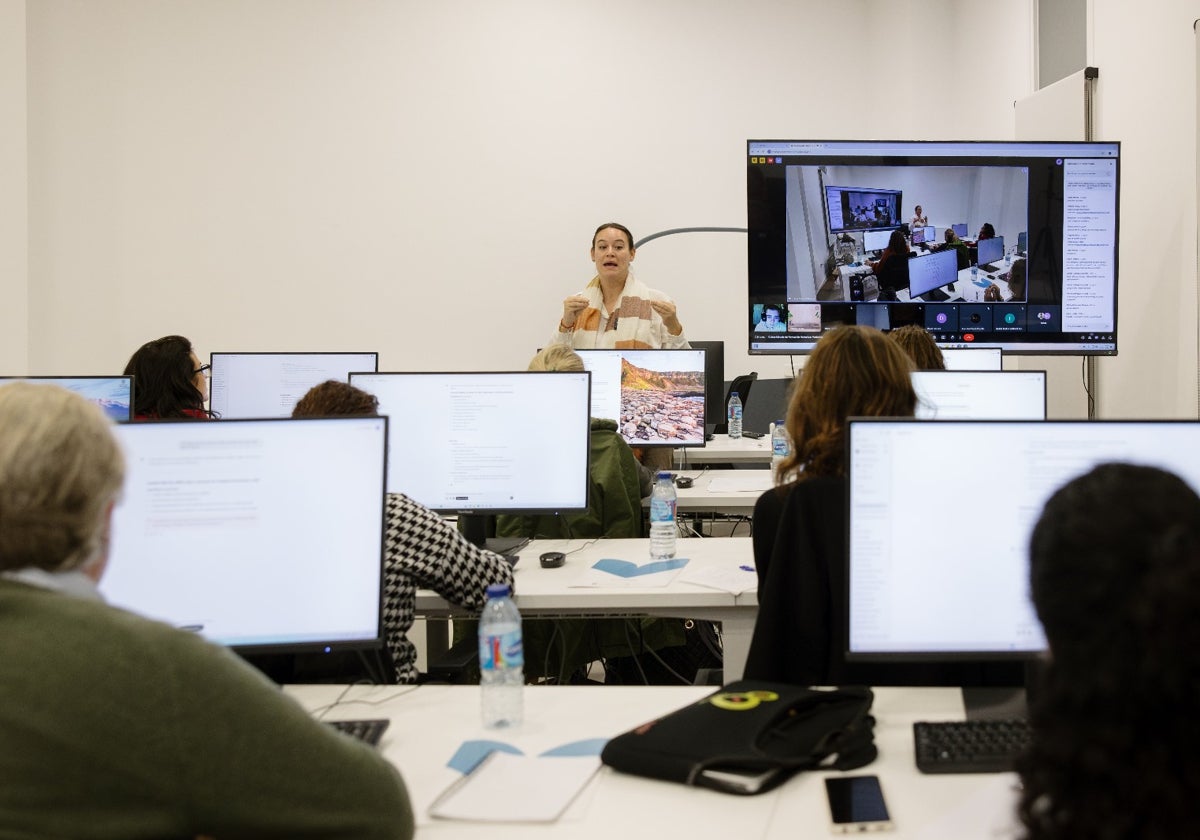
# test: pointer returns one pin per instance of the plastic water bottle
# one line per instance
(781, 447)
(735, 416)
(662, 518)
(501, 659)
(974, 273)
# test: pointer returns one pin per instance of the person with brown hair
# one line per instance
(920, 347)
(333, 398)
(892, 267)
(799, 525)
(616, 310)
(169, 382)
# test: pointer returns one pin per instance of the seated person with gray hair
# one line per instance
(115, 726)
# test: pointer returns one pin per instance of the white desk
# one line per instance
(724, 450)
(429, 723)
(562, 592)
(721, 491)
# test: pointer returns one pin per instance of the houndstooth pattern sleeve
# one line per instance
(422, 550)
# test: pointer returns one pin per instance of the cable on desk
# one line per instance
(321, 711)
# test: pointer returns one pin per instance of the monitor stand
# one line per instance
(991, 702)
(476, 527)
(936, 295)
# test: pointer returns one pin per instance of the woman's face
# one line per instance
(612, 254)
(200, 379)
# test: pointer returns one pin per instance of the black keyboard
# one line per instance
(369, 731)
(969, 746)
(990, 268)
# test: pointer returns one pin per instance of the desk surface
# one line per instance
(712, 586)
(430, 723)
(721, 491)
(724, 450)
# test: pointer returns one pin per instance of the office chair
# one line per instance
(741, 385)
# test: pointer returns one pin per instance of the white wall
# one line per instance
(14, 229)
(424, 178)
(1146, 98)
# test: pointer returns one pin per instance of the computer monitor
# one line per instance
(264, 535)
(714, 382)
(973, 358)
(960, 229)
(114, 394)
(657, 397)
(990, 250)
(1065, 194)
(940, 516)
(980, 394)
(485, 443)
(876, 240)
(270, 384)
(932, 271)
(1022, 242)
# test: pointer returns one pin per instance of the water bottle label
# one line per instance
(662, 510)
(780, 447)
(735, 412)
(501, 651)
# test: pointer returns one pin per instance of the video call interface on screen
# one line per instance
(1034, 268)
(657, 397)
(221, 529)
(247, 385)
(940, 520)
(486, 442)
(114, 394)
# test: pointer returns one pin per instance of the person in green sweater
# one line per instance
(115, 726)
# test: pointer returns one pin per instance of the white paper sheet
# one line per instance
(516, 788)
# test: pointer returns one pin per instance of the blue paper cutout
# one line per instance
(625, 569)
(467, 757)
(590, 746)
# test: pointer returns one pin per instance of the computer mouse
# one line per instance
(552, 559)
(684, 482)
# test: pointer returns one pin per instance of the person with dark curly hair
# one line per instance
(920, 346)
(336, 399)
(1115, 578)
(168, 381)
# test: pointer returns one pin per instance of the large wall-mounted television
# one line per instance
(862, 208)
(1063, 196)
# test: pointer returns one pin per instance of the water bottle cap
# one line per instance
(499, 590)
(778, 424)
(662, 475)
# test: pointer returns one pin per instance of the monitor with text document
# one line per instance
(657, 397)
(973, 358)
(932, 271)
(805, 197)
(487, 442)
(114, 394)
(876, 240)
(940, 516)
(264, 535)
(980, 394)
(270, 384)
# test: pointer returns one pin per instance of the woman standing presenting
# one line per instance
(616, 310)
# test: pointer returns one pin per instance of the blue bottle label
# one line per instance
(498, 652)
(662, 510)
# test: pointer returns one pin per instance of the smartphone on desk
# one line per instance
(856, 804)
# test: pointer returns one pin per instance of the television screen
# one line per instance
(258, 534)
(1065, 195)
(270, 384)
(940, 519)
(980, 394)
(114, 394)
(861, 208)
(486, 442)
(657, 397)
